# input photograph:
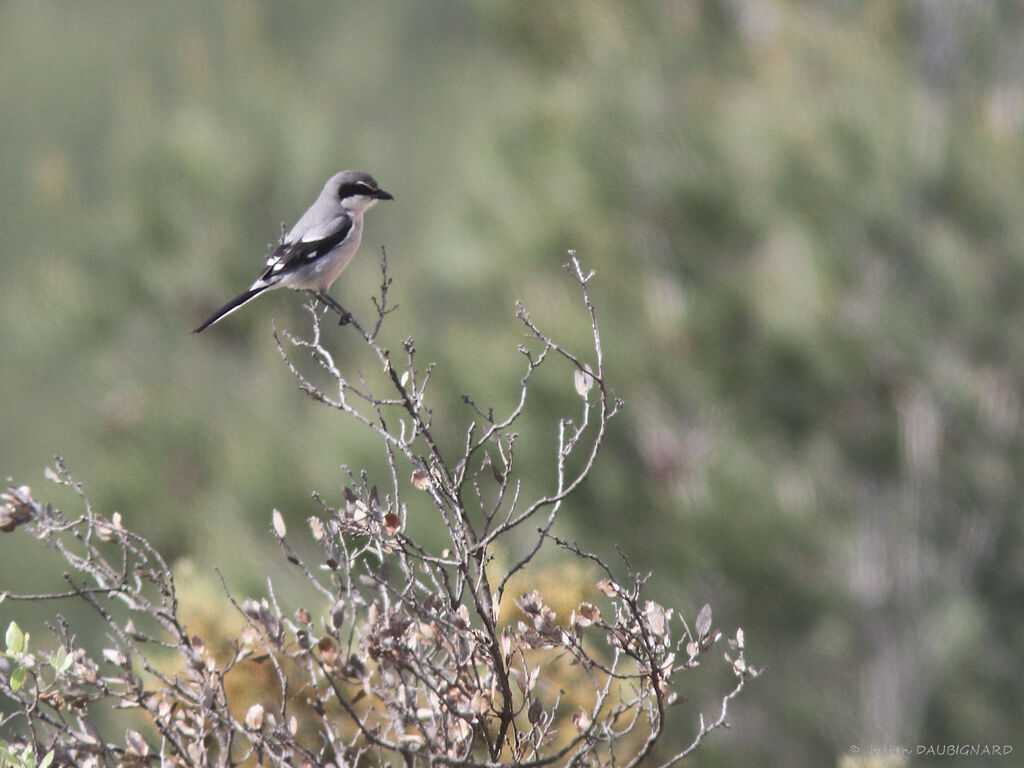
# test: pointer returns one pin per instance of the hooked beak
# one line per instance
(380, 194)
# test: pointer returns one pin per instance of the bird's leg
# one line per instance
(344, 316)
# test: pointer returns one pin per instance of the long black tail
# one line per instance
(230, 307)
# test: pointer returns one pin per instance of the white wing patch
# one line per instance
(325, 230)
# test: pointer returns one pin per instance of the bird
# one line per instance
(320, 245)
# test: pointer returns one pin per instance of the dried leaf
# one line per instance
(704, 622)
(588, 614)
(420, 479)
(583, 380)
(479, 703)
(7, 523)
(88, 732)
(22, 494)
(544, 621)
(279, 526)
(328, 650)
(250, 635)
(114, 656)
(254, 717)
(137, 746)
(317, 527)
(358, 511)
(355, 669)
(666, 665)
(414, 740)
(520, 683)
(581, 720)
(103, 527)
(530, 602)
(531, 681)
(535, 712)
(497, 474)
(654, 616)
(392, 525)
(609, 588)
(506, 645)
(17, 508)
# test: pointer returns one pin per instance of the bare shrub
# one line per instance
(405, 653)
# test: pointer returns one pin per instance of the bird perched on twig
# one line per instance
(319, 246)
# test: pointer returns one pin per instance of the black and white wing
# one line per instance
(288, 261)
(293, 257)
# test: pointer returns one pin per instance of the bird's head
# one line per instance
(354, 190)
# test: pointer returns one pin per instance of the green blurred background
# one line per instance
(806, 222)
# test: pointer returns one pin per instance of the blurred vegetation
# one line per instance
(805, 220)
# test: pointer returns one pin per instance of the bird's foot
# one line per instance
(344, 316)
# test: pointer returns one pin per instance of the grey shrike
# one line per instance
(319, 246)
